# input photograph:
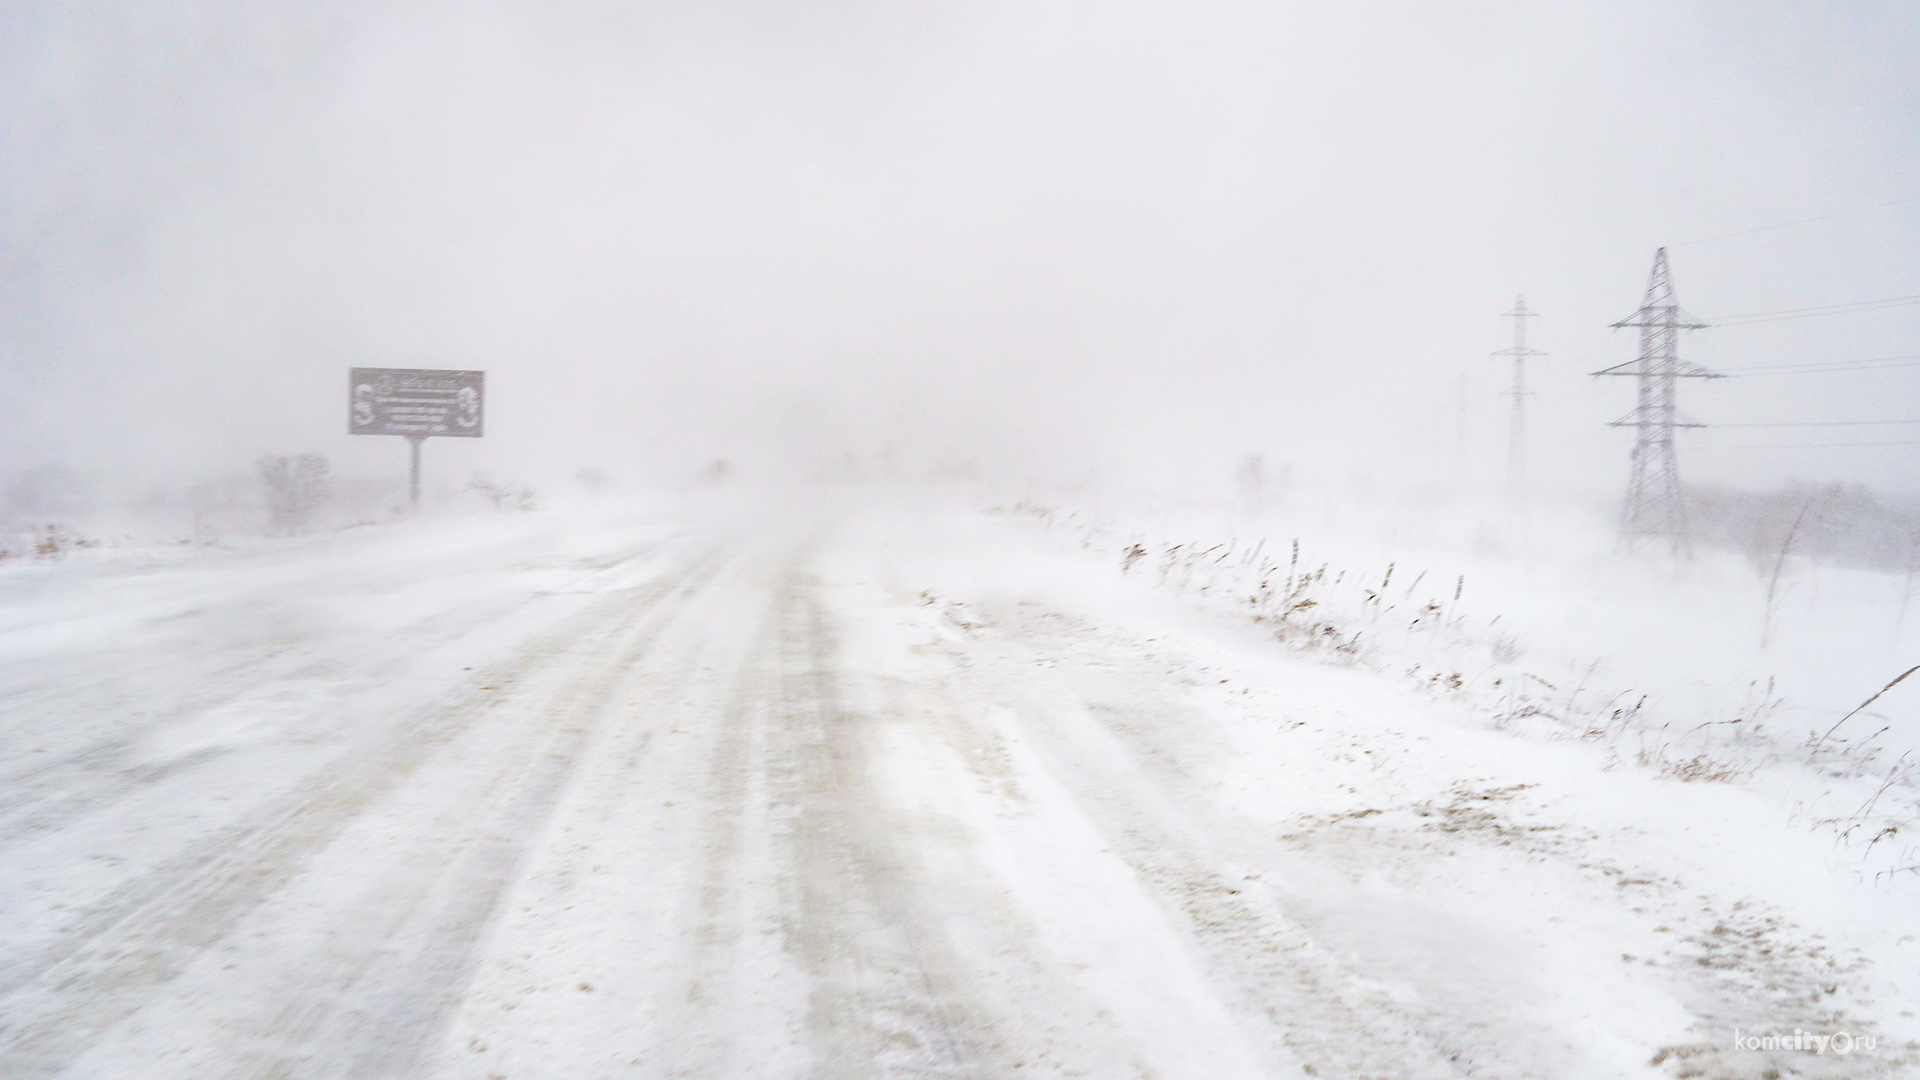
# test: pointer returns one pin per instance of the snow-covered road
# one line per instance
(834, 796)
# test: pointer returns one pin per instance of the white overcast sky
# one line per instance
(1035, 235)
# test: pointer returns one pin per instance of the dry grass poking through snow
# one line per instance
(1418, 624)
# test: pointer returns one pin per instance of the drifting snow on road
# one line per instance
(881, 795)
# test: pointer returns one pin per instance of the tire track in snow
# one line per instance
(643, 937)
(780, 929)
(726, 903)
(112, 961)
(386, 1007)
(867, 887)
(888, 998)
(49, 795)
(1280, 979)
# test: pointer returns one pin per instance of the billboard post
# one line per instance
(413, 473)
(417, 403)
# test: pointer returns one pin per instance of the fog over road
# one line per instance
(758, 799)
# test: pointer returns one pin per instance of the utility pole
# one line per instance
(1654, 505)
(1517, 428)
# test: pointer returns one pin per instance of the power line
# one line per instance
(1824, 369)
(1815, 366)
(1599, 344)
(1822, 423)
(1807, 446)
(1817, 312)
(1787, 224)
(1750, 232)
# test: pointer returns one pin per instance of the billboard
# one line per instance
(416, 401)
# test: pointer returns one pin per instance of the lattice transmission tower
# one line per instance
(1517, 427)
(1654, 504)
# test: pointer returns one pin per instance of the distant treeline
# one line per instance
(1846, 524)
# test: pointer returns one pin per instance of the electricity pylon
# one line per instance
(1654, 505)
(1517, 428)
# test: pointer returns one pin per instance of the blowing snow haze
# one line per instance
(1037, 237)
(957, 540)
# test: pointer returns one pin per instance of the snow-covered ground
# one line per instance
(890, 788)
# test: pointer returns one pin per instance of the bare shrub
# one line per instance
(1504, 648)
(53, 541)
(1699, 767)
(1843, 524)
(48, 491)
(593, 479)
(504, 496)
(296, 486)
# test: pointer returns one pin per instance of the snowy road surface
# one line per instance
(857, 796)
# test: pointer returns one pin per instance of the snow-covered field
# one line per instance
(898, 788)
